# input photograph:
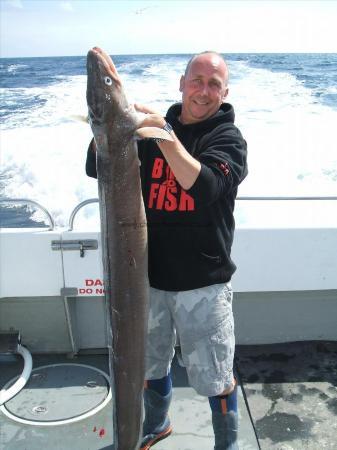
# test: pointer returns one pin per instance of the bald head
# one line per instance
(215, 57)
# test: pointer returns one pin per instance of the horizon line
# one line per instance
(175, 54)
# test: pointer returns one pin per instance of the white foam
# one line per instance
(61, 101)
(15, 67)
(47, 165)
(291, 138)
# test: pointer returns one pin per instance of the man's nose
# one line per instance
(204, 89)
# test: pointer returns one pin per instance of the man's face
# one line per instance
(204, 88)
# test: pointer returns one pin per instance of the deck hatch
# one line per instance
(58, 394)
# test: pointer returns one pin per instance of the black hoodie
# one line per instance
(191, 232)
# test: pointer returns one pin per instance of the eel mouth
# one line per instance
(95, 89)
(103, 83)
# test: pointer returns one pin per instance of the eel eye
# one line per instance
(108, 81)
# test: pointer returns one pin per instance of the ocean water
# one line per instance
(286, 108)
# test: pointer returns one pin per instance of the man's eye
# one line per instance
(215, 84)
(108, 81)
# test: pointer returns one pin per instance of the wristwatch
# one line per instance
(167, 127)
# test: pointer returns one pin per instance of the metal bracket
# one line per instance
(69, 295)
(71, 245)
(9, 341)
(69, 292)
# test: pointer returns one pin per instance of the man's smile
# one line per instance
(201, 102)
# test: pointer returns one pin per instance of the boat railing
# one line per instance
(77, 208)
(95, 200)
(27, 201)
(283, 198)
(286, 198)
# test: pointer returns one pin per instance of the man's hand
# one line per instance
(185, 168)
(152, 118)
(144, 109)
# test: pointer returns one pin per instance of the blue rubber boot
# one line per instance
(157, 424)
(225, 428)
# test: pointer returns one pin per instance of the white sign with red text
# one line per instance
(91, 286)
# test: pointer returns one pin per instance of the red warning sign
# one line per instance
(92, 287)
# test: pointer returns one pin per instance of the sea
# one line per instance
(285, 105)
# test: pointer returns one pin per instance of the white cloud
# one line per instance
(66, 6)
(17, 4)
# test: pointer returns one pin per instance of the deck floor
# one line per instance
(292, 393)
(290, 389)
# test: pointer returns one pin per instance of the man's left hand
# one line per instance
(152, 118)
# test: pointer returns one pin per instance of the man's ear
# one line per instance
(225, 93)
(182, 83)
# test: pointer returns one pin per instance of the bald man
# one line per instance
(189, 188)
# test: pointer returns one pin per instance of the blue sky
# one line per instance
(71, 27)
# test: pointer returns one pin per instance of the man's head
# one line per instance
(204, 87)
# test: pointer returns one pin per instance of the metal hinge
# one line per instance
(86, 244)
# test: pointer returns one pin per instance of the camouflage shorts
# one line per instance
(202, 321)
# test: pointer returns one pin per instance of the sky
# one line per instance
(72, 27)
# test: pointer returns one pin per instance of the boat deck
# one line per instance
(287, 401)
